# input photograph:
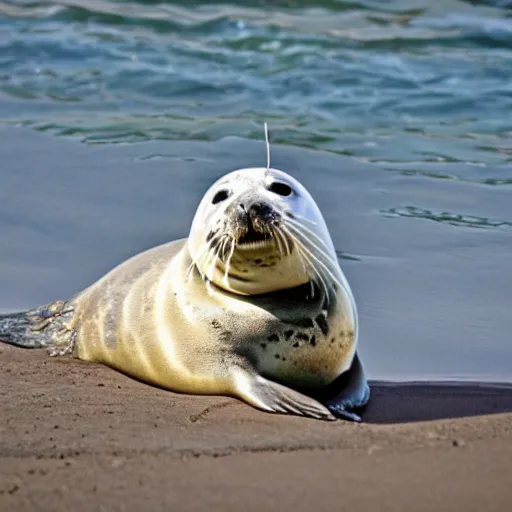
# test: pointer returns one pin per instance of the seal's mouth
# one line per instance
(253, 239)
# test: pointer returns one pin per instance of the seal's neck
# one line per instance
(253, 272)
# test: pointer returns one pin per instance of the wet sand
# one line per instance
(79, 436)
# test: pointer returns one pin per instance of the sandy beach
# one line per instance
(78, 436)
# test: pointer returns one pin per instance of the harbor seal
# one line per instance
(253, 304)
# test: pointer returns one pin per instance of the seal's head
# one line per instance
(259, 230)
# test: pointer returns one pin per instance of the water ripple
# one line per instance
(454, 219)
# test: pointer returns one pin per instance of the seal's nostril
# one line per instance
(242, 207)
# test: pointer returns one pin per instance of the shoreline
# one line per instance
(443, 395)
(82, 436)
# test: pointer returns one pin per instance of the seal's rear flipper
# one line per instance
(349, 393)
(273, 397)
(43, 327)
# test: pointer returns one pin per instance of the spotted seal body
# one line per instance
(252, 304)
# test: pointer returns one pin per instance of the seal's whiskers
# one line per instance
(306, 265)
(308, 231)
(214, 251)
(330, 268)
(210, 253)
(324, 272)
(321, 277)
(228, 262)
(286, 236)
(195, 263)
(224, 249)
(279, 242)
(315, 251)
(303, 219)
(285, 240)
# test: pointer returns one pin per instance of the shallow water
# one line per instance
(395, 114)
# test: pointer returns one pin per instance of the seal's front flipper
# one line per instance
(349, 393)
(273, 397)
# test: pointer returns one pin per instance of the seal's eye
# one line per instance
(220, 196)
(281, 189)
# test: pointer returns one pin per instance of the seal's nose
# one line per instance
(260, 210)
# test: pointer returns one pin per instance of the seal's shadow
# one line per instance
(412, 402)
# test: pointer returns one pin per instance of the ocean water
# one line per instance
(115, 116)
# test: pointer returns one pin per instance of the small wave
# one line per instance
(454, 219)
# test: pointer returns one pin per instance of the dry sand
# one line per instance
(77, 436)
